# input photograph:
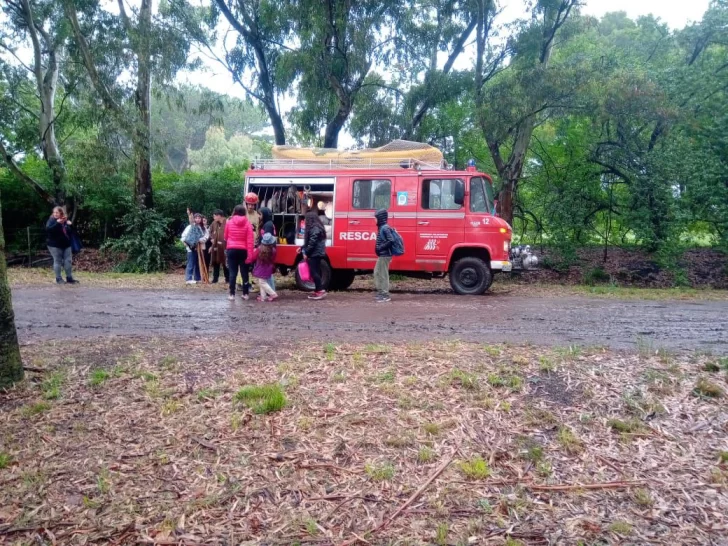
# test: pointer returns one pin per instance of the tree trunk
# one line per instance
(331, 136)
(11, 366)
(142, 100)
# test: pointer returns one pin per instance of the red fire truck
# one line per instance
(445, 217)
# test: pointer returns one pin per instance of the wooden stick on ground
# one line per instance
(409, 501)
(569, 487)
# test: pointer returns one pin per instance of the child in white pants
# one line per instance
(265, 266)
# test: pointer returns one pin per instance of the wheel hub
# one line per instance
(469, 277)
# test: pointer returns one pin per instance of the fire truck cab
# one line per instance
(445, 218)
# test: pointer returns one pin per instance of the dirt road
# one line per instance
(81, 312)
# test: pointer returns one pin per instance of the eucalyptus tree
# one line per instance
(262, 32)
(509, 104)
(33, 39)
(121, 53)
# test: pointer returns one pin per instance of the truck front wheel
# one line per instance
(470, 276)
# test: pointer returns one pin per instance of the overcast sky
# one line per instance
(676, 13)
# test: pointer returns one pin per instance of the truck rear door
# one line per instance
(440, 220)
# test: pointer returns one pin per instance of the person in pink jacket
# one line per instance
(240, 242)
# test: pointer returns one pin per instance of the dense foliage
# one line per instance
(597, 132)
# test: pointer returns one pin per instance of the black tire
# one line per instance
(470, 276)
(325, 278)
(341, 279)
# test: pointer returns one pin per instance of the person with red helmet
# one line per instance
(251, 208)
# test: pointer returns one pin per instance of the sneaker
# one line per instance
(191, 282)
(231, 297)
(261, 299)
(71, 281)
(383, 299)
(321, 294)
(60, 281)
(245, 297)
(273, 298)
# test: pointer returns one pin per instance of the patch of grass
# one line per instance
(723, 456)
(485, 506)
(37, 408)
(519, 360)
(512, 542)
(568, 352)
(621, 527)
(312, 527)
(707, 389)
(711, 367)
(5, 460)
(208, 393)
(374, 348)
(626, 427)
(330, 351)
(426, 455)
(102, 481)
(569, 441)
(338, 376)
(405, 440)
(544, 469)
(386, 377)
(545, 364)
(511, 381)
(168, 362)
(475, 468)
(432, 428)
(466, 380)
(642, 497)
(492, 350)
(51, 386)
(170, 407)
(98, 378)
(379, 472)
(443, 529)
(262, 398)
(537, 417)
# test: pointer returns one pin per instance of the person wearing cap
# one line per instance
(383, 249)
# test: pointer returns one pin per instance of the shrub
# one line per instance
(145, 244)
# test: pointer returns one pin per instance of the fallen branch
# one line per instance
(432, 478)
(568, 487)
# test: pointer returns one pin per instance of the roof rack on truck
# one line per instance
(348, 163)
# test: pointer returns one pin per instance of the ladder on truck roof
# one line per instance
(349, 163)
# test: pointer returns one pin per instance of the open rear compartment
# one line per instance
(289, 199)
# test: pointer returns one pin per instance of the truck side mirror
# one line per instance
(459, 196)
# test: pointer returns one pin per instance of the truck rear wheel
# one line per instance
(470, 276)
(341, 279)
(325, 278)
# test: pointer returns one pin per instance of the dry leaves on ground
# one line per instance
(123, 441)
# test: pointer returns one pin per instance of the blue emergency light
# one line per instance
(471, 165)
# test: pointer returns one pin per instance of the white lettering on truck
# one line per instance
(357, 236)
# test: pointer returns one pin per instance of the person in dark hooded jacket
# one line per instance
(383, 249)
(266, 221)
(314, 250)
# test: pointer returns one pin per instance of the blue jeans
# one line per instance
(192, 272)
(61, 260)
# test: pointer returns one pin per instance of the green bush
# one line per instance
(146, 244)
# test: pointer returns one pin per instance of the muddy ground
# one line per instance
(81, 312)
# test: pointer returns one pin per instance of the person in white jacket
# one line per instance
(194, 234)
